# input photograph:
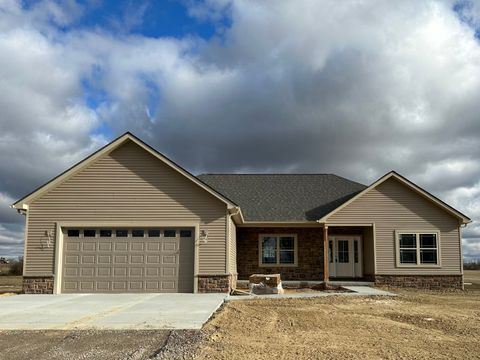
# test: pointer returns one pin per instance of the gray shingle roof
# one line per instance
(284, 197)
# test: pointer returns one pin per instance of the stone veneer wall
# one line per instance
(216, 283)
(38, 285)
(309, 248)
(421, 281)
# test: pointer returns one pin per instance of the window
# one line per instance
(277, 250)
(105, 233)
(330, 251)
(73, 233)
(138, 233)
(185, 233)
(169, 233)
(153, 233)
(417, 249)
(355, 251)
(89, 233)
(343, 252)
(121, 233)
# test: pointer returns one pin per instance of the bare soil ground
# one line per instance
(414, 325)
(99, 345)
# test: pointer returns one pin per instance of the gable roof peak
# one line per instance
(114, 144)
(402, 179)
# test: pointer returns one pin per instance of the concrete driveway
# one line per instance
(107, 311)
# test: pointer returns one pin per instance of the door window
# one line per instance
(342, 251)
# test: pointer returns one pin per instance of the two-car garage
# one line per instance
(127, 260)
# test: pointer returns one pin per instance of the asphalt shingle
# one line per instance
(284, 197)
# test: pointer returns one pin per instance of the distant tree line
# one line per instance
(472, 265)
(11, 266)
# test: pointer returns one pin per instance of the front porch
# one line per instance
(298, 253)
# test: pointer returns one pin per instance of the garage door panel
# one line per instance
(156, 262)
(104, 259)
(169, 246)
(135, 285)
(153, 246)
(87, 286)
(72, 246)
(169, 259)
(120, 259)
(153, 259)
(89, 246)
(137, 246)
(104, 246)
(88, 259)
(104, 271)
(152, 271)
(137, 259)
(70, 285)
(87, 272)
(70, 271)
(151, 285)
(119, 271)
(119, 285)
(102, 286)
(121, 246)
(135, 271)
(169, 271)
(72, 259)
(168, 285)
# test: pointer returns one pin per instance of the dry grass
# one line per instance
(10, 283)
(473, 277)
(414, 325)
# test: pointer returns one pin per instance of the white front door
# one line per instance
(345, 256)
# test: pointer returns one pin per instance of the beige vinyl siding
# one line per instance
(130, 185)
(393, 206)
(233, 246)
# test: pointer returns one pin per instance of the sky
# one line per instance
(352, 87)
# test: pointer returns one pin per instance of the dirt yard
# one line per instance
(414, 325)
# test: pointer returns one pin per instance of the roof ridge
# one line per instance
(352, 181)
(260, 174)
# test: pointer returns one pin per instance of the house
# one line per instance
(128, 219)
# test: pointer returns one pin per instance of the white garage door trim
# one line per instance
(57, 285)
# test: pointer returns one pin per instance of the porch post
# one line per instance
(325, 254)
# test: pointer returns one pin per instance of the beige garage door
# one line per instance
(128, 260)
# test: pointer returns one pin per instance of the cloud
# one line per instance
(354, 88)
(11, 240)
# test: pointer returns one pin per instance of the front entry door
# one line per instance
(345, 257)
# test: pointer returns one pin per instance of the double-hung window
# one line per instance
(278, 250)
(417, 249)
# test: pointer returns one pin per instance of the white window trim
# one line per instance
(295, 251)
(418, 264)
